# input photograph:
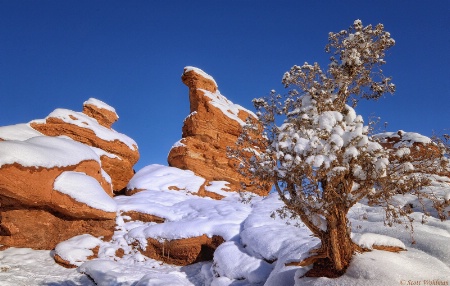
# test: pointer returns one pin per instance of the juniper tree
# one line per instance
(320, 158)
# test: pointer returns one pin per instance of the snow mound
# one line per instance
(186, 215)
(76, 250)
(45, 152)
(368, 240)
(158, 177)
(84, 189)
(231, 261)
(19, 132)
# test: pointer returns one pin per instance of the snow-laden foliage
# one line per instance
(318, 152)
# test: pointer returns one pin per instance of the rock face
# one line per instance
(213, 125)
(92, 127)
(50, 190)
(41, 229)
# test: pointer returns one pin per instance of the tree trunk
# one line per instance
(337, 244)
(337, 240)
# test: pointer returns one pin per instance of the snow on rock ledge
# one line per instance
(159, 177)
(84, 189)
(45, 152)
(93, 128)
(213, 125)
(378, 241)
(20, 132)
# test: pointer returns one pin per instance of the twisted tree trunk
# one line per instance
(337, 246)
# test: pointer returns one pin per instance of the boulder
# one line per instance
(92, 127)
(50, 190)
(214, 124)
(184, 251)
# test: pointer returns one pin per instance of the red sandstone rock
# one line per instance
(35, 215)
(40, 228)
(213, 125)
(184, 251)
(119, 153)
(35, 212)
(135, 215)
(105, 115)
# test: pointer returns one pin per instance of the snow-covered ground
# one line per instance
(256, 250)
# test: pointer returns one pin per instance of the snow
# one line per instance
(159, 177)
(84, 189)
(147, 273)
(200, 72)
(82, 120)
(233, 262)
(226, 106)
(186, 215)
(191, 217)
(179, 143)
(77, 249)
(219, 187)
(368, 240)
(19, 132)
(385, 268)
(407, 139)
(190, 115)
(100, 104)
(101, 152)
(45, 152)
(25, 266)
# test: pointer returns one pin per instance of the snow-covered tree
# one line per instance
(318, 152)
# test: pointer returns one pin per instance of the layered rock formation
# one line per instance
(92, 127)
(213, 125)
(50, 190)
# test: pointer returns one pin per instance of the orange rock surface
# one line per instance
(35, 215)
(40, 228)
(184, 251)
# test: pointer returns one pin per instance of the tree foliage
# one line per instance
(317, 151)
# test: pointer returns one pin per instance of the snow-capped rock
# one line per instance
(213, 125)
(93, 128)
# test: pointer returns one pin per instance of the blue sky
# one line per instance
(130, 54)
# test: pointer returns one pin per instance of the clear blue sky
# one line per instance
(131, 54)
